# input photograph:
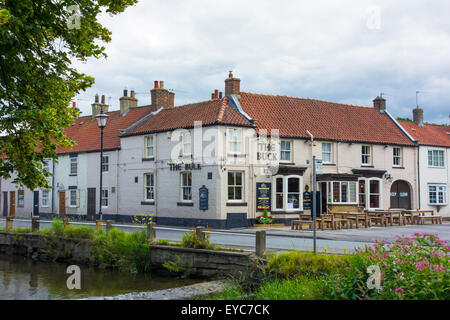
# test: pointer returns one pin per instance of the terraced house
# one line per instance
(432, 162)
(203, 163)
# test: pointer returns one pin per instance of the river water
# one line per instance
(25, 279)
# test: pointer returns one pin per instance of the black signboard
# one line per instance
(307, 196)
(203, 198)
(263, 195)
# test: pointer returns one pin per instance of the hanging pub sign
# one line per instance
(263, 195)
(203, 198)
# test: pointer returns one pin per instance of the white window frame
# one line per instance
(234, 140)
(433, 160)
(286, 150)
(437, 186)
(368, 193)
(330, 192)
(186, 144)
(151, 187)
(368, 155)
(330, 152)
(147, 147)
(105, 163)
(234, 172)
(182, 187)
(286, 193)
(71, 163)
(398, 156)
(73, 192)
(47, 198)
(102, 197)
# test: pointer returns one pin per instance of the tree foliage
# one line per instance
(39, 39)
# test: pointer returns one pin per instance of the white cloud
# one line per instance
(322, 49)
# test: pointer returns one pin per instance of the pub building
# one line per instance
(219, 162)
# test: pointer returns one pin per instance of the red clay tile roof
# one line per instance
(325, 120)
(429, 134)
(86, 132)
(216, 111)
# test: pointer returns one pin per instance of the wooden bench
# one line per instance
(434, 219)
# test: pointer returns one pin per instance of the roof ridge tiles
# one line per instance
(303, 98)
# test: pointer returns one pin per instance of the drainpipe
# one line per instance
(53, 185)
(418, 174)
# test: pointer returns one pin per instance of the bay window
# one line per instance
(341, 192)
(286, 193)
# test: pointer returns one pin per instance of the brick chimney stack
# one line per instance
(127, 103)
(379, 103)
(418, 116)
(162, 97)
(97, 106)
(232, 85)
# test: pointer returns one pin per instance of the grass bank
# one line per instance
(407, 269)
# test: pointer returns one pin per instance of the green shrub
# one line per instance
(121, 250)
(301, 288)
(78, 232)
(191, 240)
(21, 230)
(411, 268)
(295, 263)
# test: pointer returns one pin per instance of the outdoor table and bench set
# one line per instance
(338, 220)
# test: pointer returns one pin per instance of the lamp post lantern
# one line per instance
(102, 119)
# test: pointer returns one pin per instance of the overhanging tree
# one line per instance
(39, 39)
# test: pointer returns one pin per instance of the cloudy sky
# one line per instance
(343, 51)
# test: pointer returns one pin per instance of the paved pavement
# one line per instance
(283, 238)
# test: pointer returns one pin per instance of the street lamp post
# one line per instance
(101, 121)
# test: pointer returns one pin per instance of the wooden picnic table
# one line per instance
(357, 216)
(418, 216)
(390, 214)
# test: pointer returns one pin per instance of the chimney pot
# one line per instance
(212, 96)
(216, 94)
(132, 93)
(162, 97)
(161, 84)
(103, 99)
(220, 95)
(156, 84)
(230, 74)
(125, 92)
(96, 98)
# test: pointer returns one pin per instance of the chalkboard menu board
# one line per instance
(203, 198)
(307, 204)
(263, 195)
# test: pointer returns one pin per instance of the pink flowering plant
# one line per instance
(410, 268)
